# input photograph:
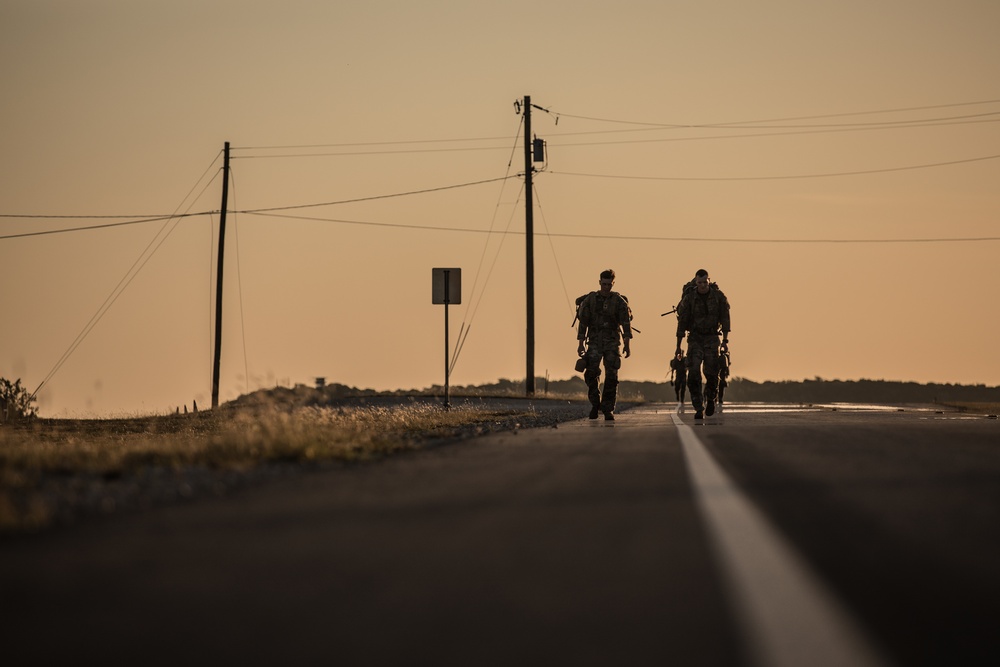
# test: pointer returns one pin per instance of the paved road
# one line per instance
(849, 536)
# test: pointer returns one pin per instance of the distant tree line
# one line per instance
(817, 390)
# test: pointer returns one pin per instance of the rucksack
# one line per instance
(582, 298)
(689, 288)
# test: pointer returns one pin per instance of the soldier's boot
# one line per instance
(711, 393)
(594, 394)
(610, 397)
(698, 403)
(699, 409)
(695, 395)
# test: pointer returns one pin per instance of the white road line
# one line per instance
(788, 617)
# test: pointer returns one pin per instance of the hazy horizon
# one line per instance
(834, 167)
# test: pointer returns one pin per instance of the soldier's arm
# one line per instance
(724, 320)
(581, 328)
(623, 317)
(681, 319)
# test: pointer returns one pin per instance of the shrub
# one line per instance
(15, 401)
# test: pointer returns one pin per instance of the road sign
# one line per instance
(447, 286)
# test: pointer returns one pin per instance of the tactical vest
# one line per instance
(701, 313)
(604, 315)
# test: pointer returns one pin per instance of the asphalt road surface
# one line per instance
(769, 536)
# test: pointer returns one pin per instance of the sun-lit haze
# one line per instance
(835, 167)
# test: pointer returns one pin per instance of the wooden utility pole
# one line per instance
(529, 237)
(218, 281)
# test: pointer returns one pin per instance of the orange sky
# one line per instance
(786, 146)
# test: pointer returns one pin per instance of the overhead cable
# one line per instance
(105, 226)
(619, 237)
(648, 125)
(819, 128)
(147, 253)
(785, 119)
(369, 143)
(552, 246)
(470, 312)
(145, 219)
(239, 287)
(389, 196)
(783, 133)
(775, 178)
(387, 152)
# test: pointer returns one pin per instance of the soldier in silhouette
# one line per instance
(604, 325)
(724, 364)
(678, 376)
(703, 314)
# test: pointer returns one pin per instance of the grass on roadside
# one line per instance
(42, 458)
(978, 408)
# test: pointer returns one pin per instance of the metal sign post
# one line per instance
(446, 289)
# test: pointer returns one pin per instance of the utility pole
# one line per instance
(218, 280)
(529, 240)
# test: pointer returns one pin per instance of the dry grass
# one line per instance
(974, 407)
(48, 466)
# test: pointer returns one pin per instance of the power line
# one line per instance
(239, 283)
(118, 290)
(152, 217)
(42, 216)
(917, 122)
(647, 126)
(110, 224)
(369, 143)
(470, 312)
(784, 177)
(145, 219)
(619, 237)
(386, 152)
(785, 133)
(780, 120)
(129, 276)
(829, 127)
(389, 196)
(474, 308)
(552, 246)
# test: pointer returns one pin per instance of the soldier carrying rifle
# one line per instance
(703, 314)
(605, 323)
